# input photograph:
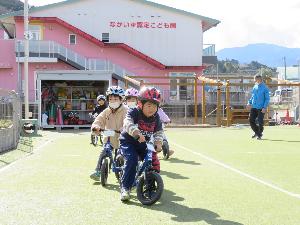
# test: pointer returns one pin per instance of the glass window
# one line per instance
(72, 39)
(185, 92)
(35, 32)
(105, 37)
(173, 87)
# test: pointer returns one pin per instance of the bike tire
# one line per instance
(151, 193)
(104, 172)
(101, 139)
(119, 163)
(94, 139)
(166, 149)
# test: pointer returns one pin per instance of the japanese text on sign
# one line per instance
(143, 25)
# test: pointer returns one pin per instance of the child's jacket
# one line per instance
(107, 120)
(136, 120)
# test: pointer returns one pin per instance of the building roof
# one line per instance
(292, 73)
(207, 22)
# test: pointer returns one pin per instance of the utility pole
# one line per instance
(298, 70)
(284, 62)
(26, 56)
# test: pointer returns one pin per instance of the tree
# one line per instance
(10, 5)
(267, 74)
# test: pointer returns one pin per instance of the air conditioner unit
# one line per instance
(105, 37)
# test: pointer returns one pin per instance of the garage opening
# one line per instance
(66, 103)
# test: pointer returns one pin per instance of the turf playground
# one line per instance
(217, 176)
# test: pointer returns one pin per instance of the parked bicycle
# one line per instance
(109, 161)
(165, 146)
(96, 137)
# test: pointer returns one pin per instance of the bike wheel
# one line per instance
(94, 139)
(166, 149)
(149, 191)
(101, 139)
(104, 172)
(119, 163)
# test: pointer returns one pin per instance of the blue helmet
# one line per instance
(115, 90)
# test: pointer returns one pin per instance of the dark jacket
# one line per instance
(98, 109)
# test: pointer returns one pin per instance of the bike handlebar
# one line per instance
(101, 130)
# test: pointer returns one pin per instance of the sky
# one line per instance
(242, 21)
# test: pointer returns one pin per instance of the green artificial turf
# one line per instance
(52, 185)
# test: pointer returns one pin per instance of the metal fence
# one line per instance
(10, 110)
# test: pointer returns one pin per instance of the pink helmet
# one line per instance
(150, 94)
(131, 92)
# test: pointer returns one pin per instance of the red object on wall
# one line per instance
(287, 119)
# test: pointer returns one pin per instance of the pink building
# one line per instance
(78, 48)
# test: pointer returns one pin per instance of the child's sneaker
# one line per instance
(171, 152)
(125, 196)
(95, 176)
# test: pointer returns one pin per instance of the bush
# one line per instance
(5, 123)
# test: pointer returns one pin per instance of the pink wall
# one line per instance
(8, 66)
(1, 34)
(56, 32)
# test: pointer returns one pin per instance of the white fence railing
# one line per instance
(209, 50)
(9, 114)
(51, 49)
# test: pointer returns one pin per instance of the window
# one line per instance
(35, 32)
(5, 36)
(72, 39)
(173, 87)
(182, 92)
(105, 37)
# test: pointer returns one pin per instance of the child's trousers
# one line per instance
(132, 153)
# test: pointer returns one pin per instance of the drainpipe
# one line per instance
(19, 70)
(26, 55)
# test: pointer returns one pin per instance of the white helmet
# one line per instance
(115, 90)
(101, 97)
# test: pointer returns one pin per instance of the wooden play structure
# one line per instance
(231, 115)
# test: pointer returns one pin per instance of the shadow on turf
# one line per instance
(169, 204)
(266, 139)
(182, 213)
(176, 160)
(173, 175)
(4, 162)
(113, 187)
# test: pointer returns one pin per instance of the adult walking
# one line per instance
(258, 104)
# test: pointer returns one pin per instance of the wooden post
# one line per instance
(219, 106)
(141, 83)
(196, 100)
(228, 116)
(126, 83)
(203, 103)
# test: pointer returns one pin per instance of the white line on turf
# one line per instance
(239, 172)
(35, 149)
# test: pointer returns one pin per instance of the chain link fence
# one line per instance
(10, 110)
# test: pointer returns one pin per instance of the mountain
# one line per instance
(10, 5)
(268, 54)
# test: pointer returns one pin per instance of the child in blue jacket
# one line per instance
(139, 125)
